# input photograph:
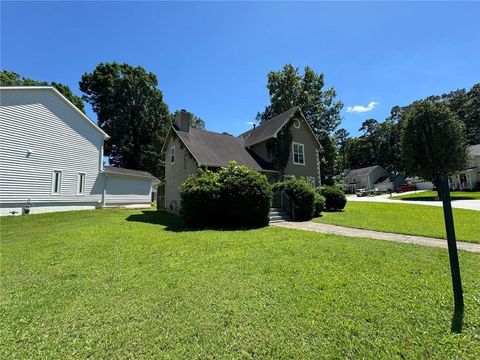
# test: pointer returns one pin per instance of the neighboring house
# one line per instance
(390, 182)
(186, 149)
(364, 178)
(468, 179)
(51, 157)
(420, 184)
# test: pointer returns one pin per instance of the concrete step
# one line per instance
(279, 218)
(274, 213)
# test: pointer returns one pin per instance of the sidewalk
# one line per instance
(346, 231)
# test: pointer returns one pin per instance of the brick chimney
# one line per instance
(182, 120)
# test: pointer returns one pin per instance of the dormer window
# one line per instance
(298, 154)
(172, 155)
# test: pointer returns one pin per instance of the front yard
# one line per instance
(132, 284)
(432, 196)
(407, 219)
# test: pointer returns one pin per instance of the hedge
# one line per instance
(233, 197)
(302, 196)
(335, 199)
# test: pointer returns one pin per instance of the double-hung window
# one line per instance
(56, 182)
(81, 184)
(298, 154)
(172, 155)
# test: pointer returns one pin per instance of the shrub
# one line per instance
(235, 196)
(246, 196)
(200, 195)
(334, 198)
(318, 204)
(302, 196)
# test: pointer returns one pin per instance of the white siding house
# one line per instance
(51, 156)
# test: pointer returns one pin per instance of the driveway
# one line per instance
(385, 198)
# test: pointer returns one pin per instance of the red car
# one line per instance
(403, 188)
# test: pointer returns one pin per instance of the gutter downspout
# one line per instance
(104, 192)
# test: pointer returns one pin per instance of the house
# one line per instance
(186, 149)
(468, 179)
(51, 157)
(389, 182)
(420, 183)
(364, 178)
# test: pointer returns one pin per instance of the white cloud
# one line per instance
(251, 123)
(361, 109)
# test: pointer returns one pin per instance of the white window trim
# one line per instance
(174, 152)
(293, 153)
(83, 184)
(53, 182)
(296, 123)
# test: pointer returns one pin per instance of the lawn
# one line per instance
(407, 219)
(432, 196)
(133, 284)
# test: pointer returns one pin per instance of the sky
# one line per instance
(212, 58)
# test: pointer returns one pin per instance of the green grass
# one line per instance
(407, 219)
(432, 196)
(128, 284)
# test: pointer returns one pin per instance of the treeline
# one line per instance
(380, 144)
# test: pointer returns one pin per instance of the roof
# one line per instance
(363, 171)
(129, 172)
(268, 129)
(68, 102)
(474, 150)
(214, 149)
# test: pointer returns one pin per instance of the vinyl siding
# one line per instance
(123, 190)
(60, 139)
(176, 174)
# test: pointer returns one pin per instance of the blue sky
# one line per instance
(213, 58)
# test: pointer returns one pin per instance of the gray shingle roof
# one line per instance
(362, 172)
(214, 149)
(268, 129)
(129, 172)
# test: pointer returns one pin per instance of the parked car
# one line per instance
(380, 191)
(403, 188)
(362, 192)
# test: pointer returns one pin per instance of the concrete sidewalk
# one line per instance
(346, 231)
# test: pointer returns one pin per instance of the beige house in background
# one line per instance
(186, 149)
(469, 178)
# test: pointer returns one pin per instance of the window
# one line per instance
(298, 154)
(56, 182)
(172, 155)
(81, 184)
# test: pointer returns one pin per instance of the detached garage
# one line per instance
(129, 188)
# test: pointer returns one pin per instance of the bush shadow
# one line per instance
(175, 223)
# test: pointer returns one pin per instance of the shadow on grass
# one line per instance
(175, 223)
(433, 198)
(457, 320)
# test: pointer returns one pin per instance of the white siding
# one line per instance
(59, 138)
(123, 190)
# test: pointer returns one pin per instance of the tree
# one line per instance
(358, 153)
(130, 108)
(195, 121)
(341, 138)
(288, 88)
(329, 161)
(433, 145)
(10, 78)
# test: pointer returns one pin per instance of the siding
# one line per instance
(175, 174)
(39, 120)
(304, 136)
(123, 190)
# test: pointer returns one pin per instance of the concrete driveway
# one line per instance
(385, 198)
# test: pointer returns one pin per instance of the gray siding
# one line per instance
(304, 136)
(60, 139)
(175, 174)
(123, 190)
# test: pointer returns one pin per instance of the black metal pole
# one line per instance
(452, 246)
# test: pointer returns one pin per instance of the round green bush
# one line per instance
(246, 196)
(301, 195)
(200, 194)
(334, 198)
(319, 204)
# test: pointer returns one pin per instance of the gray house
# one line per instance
(364, 178)
(51, 157)
(186, 149)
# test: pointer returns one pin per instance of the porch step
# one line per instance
(278, 214)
